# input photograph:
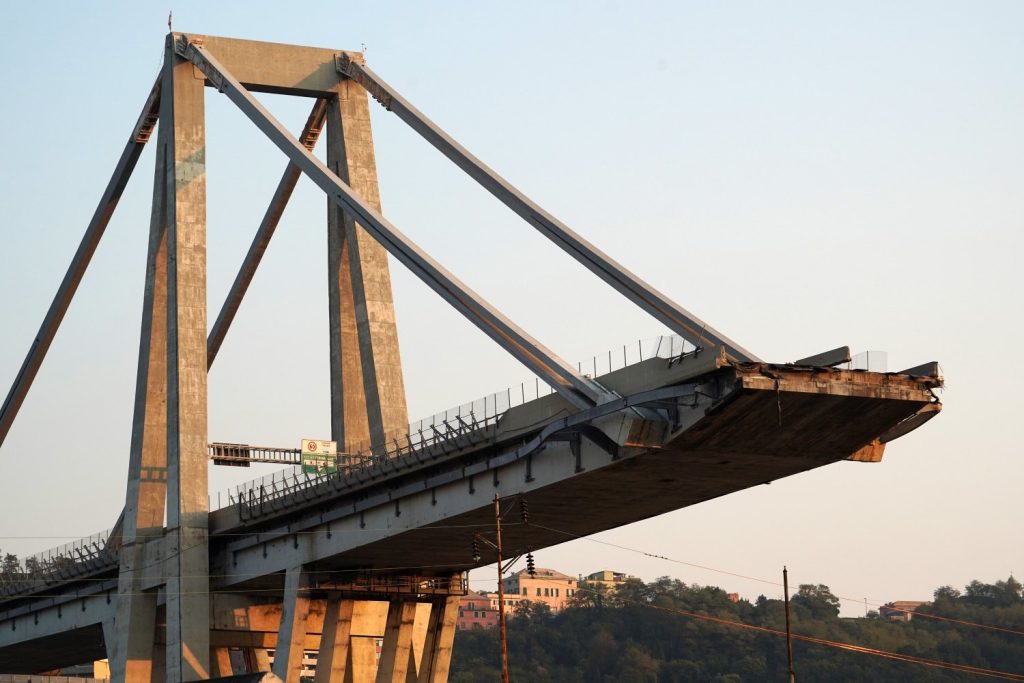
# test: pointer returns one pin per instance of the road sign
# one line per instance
(319, 456)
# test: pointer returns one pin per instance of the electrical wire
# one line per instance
(849, 647)
(916, 614)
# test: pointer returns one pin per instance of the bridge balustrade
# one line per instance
(464, 426)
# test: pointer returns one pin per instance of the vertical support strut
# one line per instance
(580, 391)
(131, 643)
(187, 581)
(291, 634)
(333, 657)
(395, 651)
(678, 319)
(437, 651)
(69, 285)
(367, 389)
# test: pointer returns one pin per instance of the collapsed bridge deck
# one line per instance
(681, 433)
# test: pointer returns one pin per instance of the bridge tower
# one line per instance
(162, 626)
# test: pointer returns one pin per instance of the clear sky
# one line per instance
(800, 174)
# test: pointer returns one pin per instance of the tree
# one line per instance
(656, 635)
(10, 566)
(818, 600)
(999, 594)
(528, 609)
(589, 594)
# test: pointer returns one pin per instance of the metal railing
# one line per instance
(872, 361)
(66, 561)
(464, 426)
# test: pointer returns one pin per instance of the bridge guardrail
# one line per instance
(82, 556)
(464, 425)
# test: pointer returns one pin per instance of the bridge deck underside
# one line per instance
(742, 444)
(757, 435)
(68, 648)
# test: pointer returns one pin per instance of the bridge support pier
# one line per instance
(220, 661)
(291, 637)
(439, 638)
(396, 651)
(333, 657)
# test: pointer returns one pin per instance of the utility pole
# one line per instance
(501, 591)
(789, 632)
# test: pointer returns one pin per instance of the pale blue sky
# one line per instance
(801, 174)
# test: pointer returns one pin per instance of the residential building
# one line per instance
(609, 578)
(901, 610)
(476, 611)
(548, 586)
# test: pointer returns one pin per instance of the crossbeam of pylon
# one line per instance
(140, 135)
(657, 304)
(308, 137)
(581, 391)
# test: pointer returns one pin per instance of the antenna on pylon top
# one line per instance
(170, 14)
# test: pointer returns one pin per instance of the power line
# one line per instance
(849, 647)
(916, 614)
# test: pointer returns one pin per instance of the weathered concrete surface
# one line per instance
(726, 445)
(426, 513)
(367, 389)
(145, 502)
(275, 67)
(187, 585)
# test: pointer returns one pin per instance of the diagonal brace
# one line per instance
(657, 304)
(308, 138)
(581, 391)
(80, 262)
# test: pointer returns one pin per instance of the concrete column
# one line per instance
(420, 628)
(258, 660)
(333, 658)
(362, 666)
(359, 269)
(369, 622)
(130, 644)
(187, 563)
(220, 661)
(291, 635)
(437, 650)
(395, 654)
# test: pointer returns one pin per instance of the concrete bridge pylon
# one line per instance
(168, 457)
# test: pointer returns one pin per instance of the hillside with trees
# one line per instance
(667, 631)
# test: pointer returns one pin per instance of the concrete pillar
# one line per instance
(291, 635)
(220, 661)
(130, 644)
(258, 660)
(420, 628)
(333, 658)
(395, 654)
(187, 565)
(362, 667)
(437, 650)
(367, 388)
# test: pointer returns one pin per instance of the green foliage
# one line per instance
(640, 634)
